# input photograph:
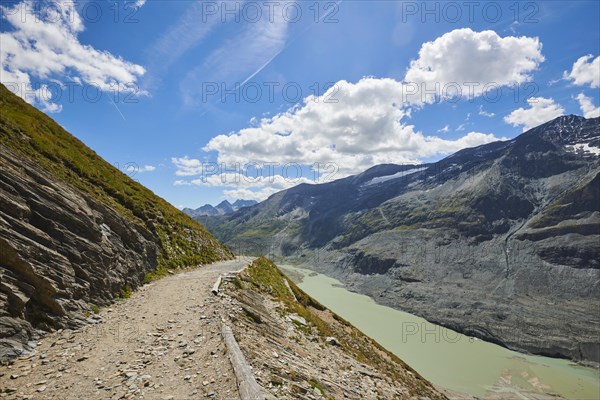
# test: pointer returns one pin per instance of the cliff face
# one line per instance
(59, 251)
(74, 231)
(501, 241)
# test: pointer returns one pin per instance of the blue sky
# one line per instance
(176, 92)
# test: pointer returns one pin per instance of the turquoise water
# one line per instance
(447, 358)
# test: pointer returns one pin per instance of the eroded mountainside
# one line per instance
(299, 349)
(501, 241)
(75, 232)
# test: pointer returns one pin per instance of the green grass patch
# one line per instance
(315, 385)
(125, 292)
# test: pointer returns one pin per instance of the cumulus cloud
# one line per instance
(132, 168)
(147, 168)
(465, 63)
(358, 125)
(585, 71)
(46, 47)
(540, 110)
(188, 166)
(587, 106)
(362, 128)
(243, 179)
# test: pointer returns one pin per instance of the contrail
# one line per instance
(337, 3)
(262, 67)
(113, 103)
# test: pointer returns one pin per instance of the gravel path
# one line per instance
(162, 343)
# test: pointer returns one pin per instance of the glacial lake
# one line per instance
(446, 358)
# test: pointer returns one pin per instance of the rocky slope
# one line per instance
(299, 349)
(75, 232)
(501, 241)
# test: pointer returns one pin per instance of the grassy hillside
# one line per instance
(31, 133)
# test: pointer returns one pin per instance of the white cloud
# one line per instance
(468, 63)
(484, 113)
(46, 46)
(244, 179)
(213, 176)
(587, 106)
(363, 128)
(358, 125)
(585, 72)
(188, 166)
(258, 195)
(540, 110)
(147, 168)
(242, 183)
(182, 182)
(132, 168)
(445, 129)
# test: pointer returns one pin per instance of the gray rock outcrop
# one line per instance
(60, 251)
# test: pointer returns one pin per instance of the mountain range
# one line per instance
(500, 241)
(223, 208)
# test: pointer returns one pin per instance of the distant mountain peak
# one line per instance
(223, 208)
(567, 129)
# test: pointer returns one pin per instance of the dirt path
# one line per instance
(162, 343)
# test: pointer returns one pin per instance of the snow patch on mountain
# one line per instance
(585, 147)
(381, 179)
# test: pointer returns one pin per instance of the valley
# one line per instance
(363, 200)
(500, 242)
